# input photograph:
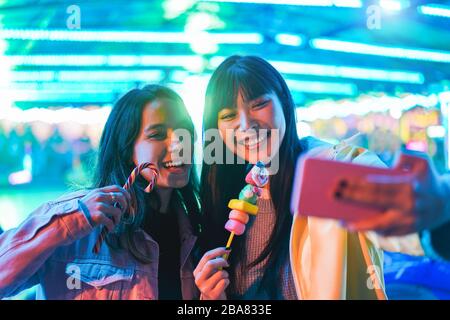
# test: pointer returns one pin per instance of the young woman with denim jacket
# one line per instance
(150, 257)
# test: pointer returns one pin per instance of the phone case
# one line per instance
(316, 181)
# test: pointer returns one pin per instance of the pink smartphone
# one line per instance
(317, 182)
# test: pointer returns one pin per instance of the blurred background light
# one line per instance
(125, 36)
(394, 5)
(63, 115)
(338, 88)
(289, 39)
(435, 10)
(348, 72)
(320, 3)
(378, 50)
(436, 131)
(186, 61)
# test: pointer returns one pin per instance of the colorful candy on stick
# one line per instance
(257, 178)
(131, 179)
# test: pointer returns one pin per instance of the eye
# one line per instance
(260, 104)
(157, 135)
(227, 115)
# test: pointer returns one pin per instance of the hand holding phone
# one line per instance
(351, 192)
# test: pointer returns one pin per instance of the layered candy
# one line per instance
(256, 179)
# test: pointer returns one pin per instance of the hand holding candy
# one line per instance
(131, 179)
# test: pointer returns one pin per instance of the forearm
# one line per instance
(25, 249)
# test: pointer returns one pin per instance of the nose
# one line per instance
(245, 121)
(174, 144)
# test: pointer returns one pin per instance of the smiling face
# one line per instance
(158, 143)
(247, 129)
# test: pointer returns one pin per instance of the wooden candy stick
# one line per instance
(230, 239)
(127, 186)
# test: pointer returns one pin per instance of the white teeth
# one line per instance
(171, 164)
(253, 142)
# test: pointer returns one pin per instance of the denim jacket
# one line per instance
(52, 248)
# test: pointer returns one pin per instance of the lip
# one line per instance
(177, 168)
(255, 141)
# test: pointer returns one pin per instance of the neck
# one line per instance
(164, 195)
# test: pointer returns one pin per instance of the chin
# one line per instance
(178, 182)
(254, 157)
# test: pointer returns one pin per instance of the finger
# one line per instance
(112, 198)
(212, 254)
(126, 194)
(406, 227)
(370, 224)
(116, 188)
(383, 221)
(121, 199)
(114, 213)
(393, 227)
(375, 194)
(107, 222)
(220, 288)
(361, 224)
(212, 282)
(210, 267)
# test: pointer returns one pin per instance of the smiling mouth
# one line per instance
(253, 141)
(173, 164)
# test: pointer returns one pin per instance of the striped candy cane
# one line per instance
(131, 179)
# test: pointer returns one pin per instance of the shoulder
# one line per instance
(347, 150)
(311, 142)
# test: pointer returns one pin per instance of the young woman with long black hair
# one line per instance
(150, 257)
(279, 256)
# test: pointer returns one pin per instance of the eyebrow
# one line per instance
(264, 96)
(249, 101)
(154, 127)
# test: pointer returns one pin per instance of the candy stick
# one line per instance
(127, 186)
(230, 239)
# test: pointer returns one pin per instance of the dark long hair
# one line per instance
(115, 163)
(252, 76)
